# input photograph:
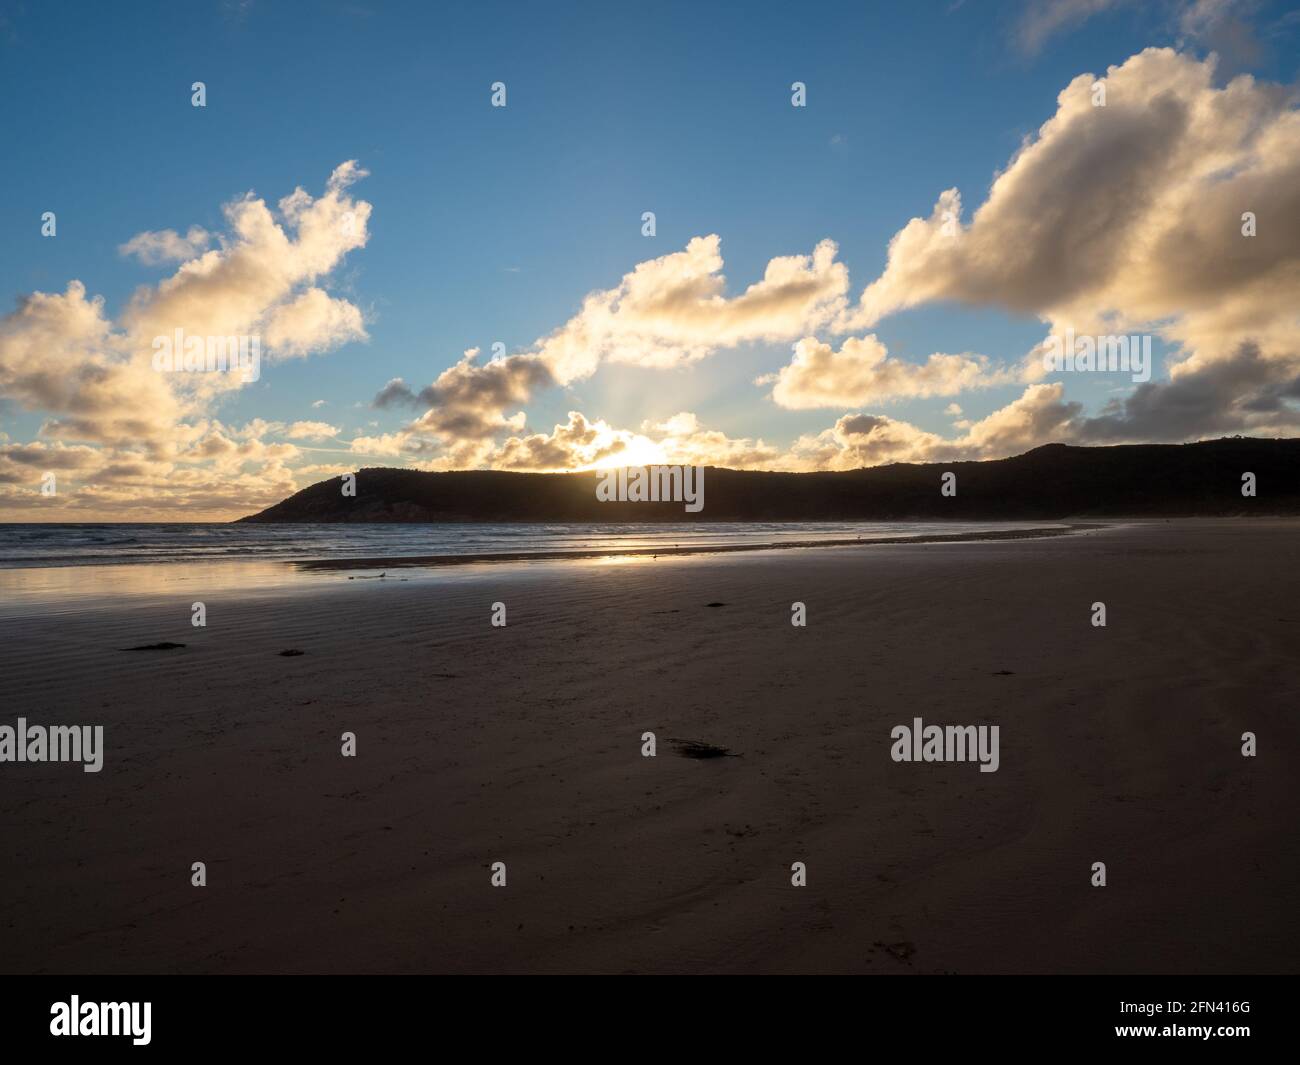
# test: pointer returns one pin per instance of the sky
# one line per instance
(433, 281)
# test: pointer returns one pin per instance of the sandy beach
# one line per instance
(522, 744)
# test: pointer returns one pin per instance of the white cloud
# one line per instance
(665, 313)
(92, 375)
(1128, 218)
(861, 373)
(672, 310)
(167, 245)
(312, 322)
(311, 431)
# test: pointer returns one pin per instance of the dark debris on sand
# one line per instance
(698, 749)
(902, 951)
(164, 646)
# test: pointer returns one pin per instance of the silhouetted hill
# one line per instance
(1050, 482)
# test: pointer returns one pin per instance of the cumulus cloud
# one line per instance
(857, 440)
(577, 444)
(861, 372)
(311, 431)
(1240, 394)
(682, 439)
(1129, 211)
(583, 443)
(56, 456)
(92, 375)
(395, 393)
(312, 322)
(1040, 414)
(1243, 393)
(59, 354)
(1129, 217)
(387, 445)
(672, 310)
(212, 471)
(666, 312)
(1117, 219)
(469, 400)
(262, 279)
(1125, 218)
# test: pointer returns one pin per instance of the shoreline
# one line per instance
(30, 590)
(421, 561)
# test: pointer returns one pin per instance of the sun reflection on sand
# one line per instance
(622, 560)
(87, 586)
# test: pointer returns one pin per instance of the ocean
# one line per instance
(44, 546)
(49, 570)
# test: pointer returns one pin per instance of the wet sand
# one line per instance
(522, 745)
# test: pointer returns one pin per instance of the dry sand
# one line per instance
(480, 744)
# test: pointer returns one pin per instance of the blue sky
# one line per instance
(493, 224)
